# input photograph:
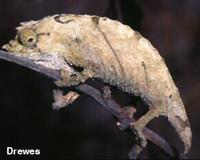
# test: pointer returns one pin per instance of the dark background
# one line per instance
(85, 129)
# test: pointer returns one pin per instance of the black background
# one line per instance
(85, 129)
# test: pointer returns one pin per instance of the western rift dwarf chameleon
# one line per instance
(94, 47)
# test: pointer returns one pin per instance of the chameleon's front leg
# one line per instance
(68, 79)
(139, 125)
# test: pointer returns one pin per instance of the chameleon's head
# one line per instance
(36, 37)
(40, 41)
(25, 41)
(50, 35)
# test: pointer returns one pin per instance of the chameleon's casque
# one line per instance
(102, 48)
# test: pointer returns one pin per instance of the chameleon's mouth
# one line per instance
(16, 47)
(50, 60)
(13, 46)
(35, 55)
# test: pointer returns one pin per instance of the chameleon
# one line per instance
(88, 46)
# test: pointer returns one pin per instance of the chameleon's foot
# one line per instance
(141, 141)
(139, 125)
(63, 100)
(138, 130)
(135, 151)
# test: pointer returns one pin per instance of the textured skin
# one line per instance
(106, 49)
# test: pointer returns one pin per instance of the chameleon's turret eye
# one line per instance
(27, 37)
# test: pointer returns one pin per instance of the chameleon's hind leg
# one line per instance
(139, 125)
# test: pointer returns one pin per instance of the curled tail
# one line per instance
(178, 118)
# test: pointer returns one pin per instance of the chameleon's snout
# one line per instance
(13, 46)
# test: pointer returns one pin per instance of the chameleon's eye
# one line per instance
(27, 37)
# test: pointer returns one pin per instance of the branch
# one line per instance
(23, 61)
(108, 103)
(124, 119)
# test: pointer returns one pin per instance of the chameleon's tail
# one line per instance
(178, 118)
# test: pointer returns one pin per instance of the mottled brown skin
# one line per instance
(102, 48)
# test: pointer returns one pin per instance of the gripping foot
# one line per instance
(63, 100)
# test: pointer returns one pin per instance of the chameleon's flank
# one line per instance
(94, 47)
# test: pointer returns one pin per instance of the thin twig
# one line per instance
(109, 103)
